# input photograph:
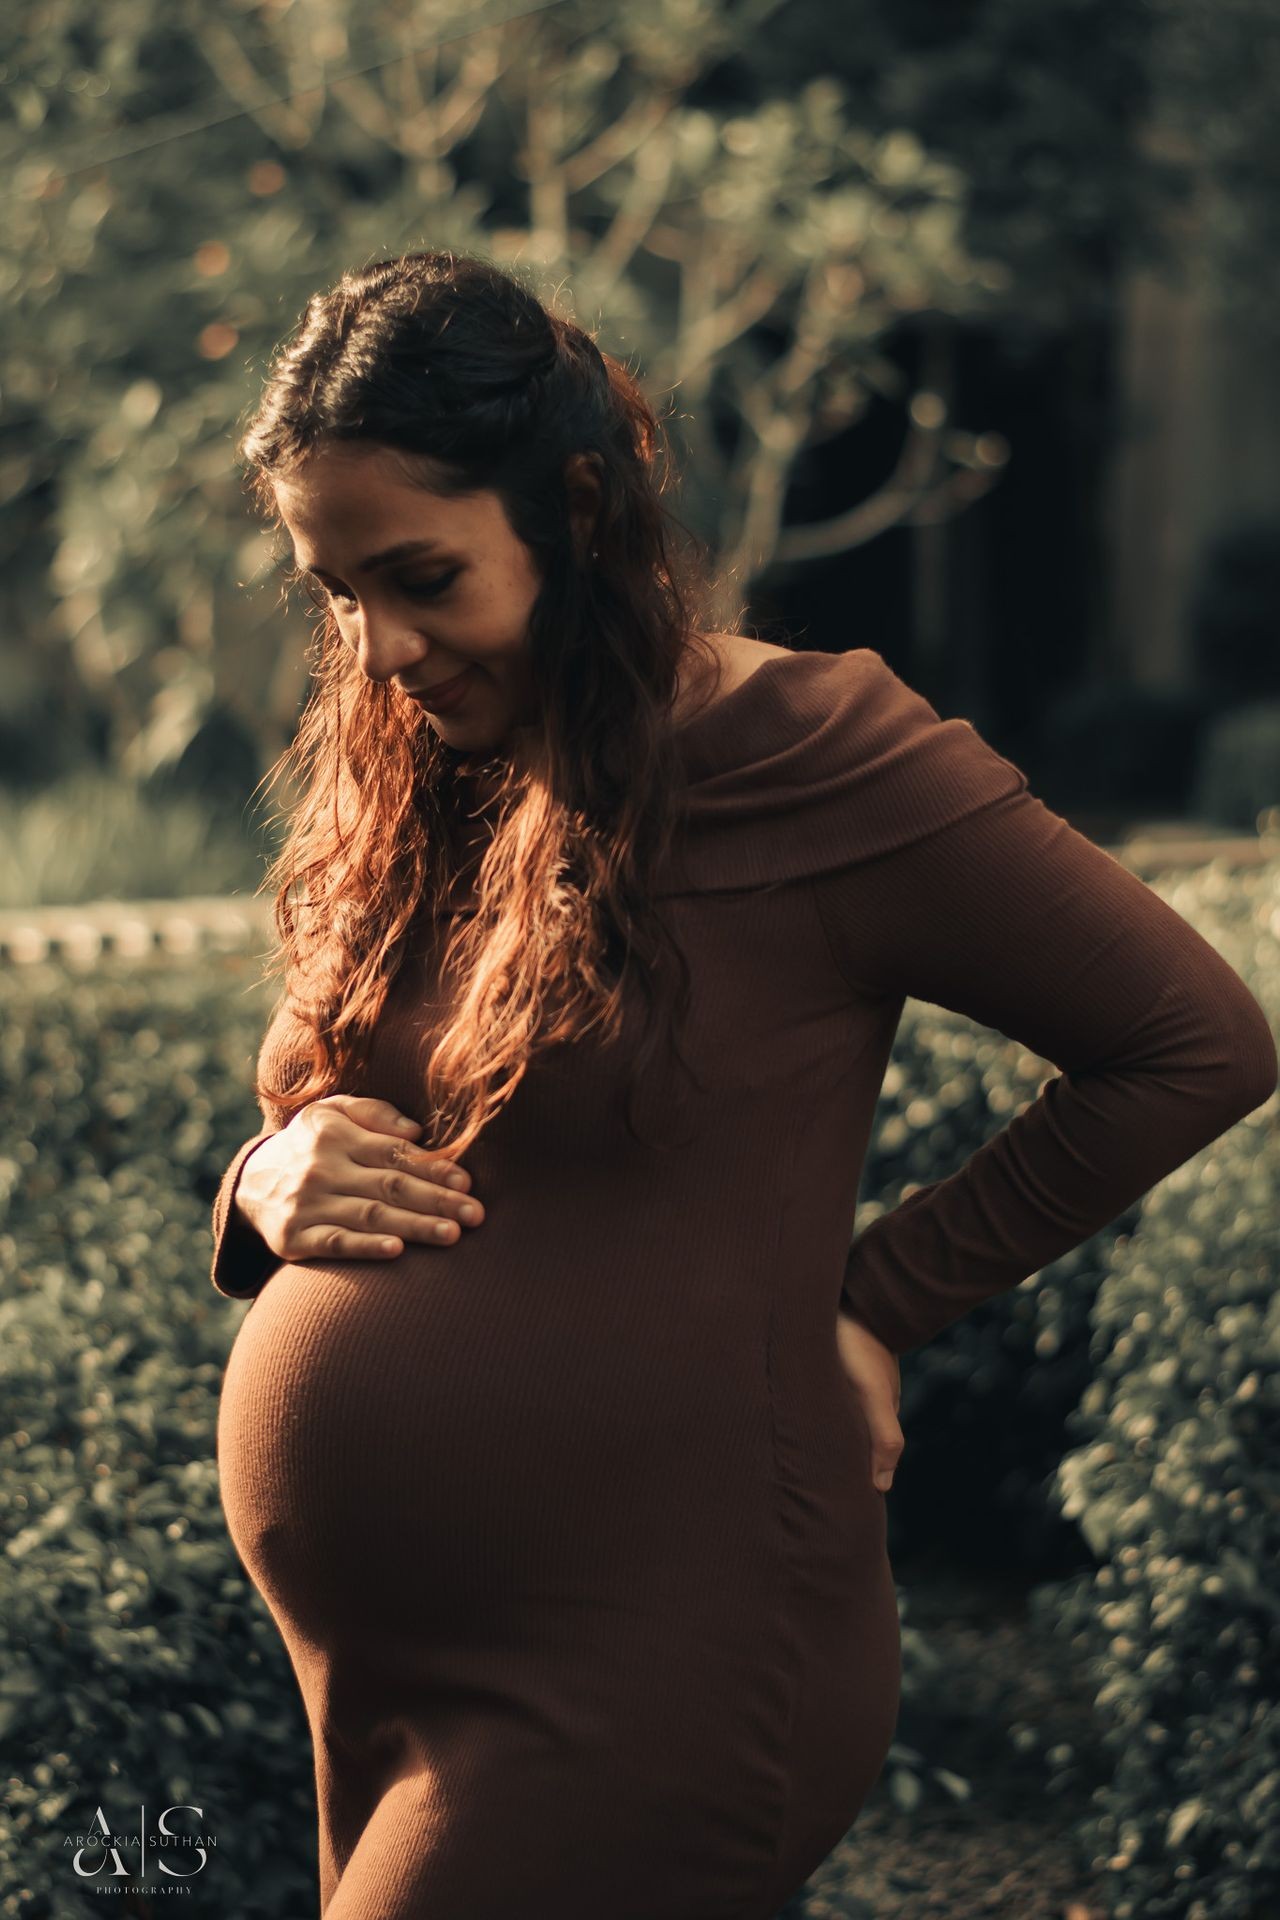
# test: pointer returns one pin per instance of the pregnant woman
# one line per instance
(556, 1435)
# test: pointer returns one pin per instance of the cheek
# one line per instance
(501, 607)
(493, 628)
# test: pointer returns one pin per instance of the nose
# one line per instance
(386, 646)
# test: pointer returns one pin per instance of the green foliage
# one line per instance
(1217, 72)
(1039, 106)
(1173, 1481)
(137, 1664)
(743, 208)
(1175, 1484)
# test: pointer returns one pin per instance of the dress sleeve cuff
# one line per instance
(877, 1305)
(242, 1260)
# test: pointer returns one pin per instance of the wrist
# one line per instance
(249, 1193)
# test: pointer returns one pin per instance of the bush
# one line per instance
(1176, 1487)
(138, 1667)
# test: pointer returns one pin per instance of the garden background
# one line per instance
(965, 317)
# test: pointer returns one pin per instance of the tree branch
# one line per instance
(280, 120)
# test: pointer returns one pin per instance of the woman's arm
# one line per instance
(242, 1260)
(1011, 916)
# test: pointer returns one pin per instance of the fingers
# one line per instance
(373, 1227)
(393, 1195)
(887, 1442)
(876, 1377)
(378, 1116)
(374, 1189)
(408, 1177)
(396, 1201)
(403, 1155)
(384, 1145)
(363, 1228)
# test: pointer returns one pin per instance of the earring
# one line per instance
(595, 553)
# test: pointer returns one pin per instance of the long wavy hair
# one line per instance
(475, 384)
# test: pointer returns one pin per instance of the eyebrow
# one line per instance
(403, 550)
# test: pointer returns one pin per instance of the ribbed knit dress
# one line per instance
(568, 1526)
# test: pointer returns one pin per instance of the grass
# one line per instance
(96, 836)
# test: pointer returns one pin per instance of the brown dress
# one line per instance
(568, 1527)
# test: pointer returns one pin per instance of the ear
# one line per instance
(582, 480)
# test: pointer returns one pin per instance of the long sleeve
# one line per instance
(991, 905)
(242, 1260)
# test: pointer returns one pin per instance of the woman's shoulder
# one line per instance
(777, 679)
(718, 666)
(779, 698)
(742, 653)
(814, 760)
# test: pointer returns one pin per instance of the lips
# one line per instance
(444, 692)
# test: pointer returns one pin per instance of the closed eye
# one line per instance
(430, 589)
(415, 589)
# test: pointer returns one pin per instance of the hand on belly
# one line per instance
(344, 1181)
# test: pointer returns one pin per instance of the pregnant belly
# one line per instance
(458, 1430)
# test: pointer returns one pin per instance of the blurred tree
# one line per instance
(1216, 64)
(1036, 102)
(182, 180)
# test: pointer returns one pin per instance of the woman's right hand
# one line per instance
(344, 1181)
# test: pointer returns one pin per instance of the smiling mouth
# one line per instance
(443, 690)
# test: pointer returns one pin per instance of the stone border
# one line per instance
(82, 935)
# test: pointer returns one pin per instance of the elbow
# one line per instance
(1267, 1076)
(1254, 1066)
(1225, 1054)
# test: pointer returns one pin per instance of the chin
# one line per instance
(480, 728)
(472, 736)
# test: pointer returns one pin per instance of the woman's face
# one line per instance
(422, 588)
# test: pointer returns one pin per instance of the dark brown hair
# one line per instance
(455, 366)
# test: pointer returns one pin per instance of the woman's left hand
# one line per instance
(873, 1368)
